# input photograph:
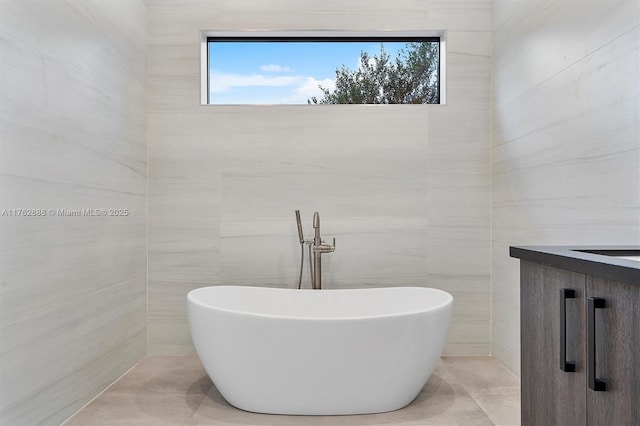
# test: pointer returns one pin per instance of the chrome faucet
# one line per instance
(318, 247)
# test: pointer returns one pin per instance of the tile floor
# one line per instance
(172, 390)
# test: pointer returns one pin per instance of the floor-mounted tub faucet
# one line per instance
(318, 247)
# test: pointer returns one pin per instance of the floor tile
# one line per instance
(125, 408)
(439, 403)
(481, 375)
(503, 410)
(160, 390)
(175, 390)
(165, 374)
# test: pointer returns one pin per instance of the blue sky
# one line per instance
(248, 72)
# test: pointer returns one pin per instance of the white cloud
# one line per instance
(275, 68)
(223, 82)
(293, 89)
(309, 88)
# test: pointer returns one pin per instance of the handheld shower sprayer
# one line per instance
(299, 227)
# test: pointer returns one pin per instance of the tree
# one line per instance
(412, 78)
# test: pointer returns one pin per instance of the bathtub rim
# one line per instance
(431, 309)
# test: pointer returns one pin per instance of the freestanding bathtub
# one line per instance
(319, 352)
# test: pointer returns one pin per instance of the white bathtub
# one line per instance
(319, 352)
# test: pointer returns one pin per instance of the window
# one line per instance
(306, 68)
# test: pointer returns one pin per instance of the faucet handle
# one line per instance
(325, 248)
(331, 248)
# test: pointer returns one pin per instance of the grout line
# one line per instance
(146, 136)
(491, 111)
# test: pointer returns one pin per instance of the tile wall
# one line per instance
(404, 189)
(72, 137)
(566, 138)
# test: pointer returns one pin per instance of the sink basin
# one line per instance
(620, 254)
(636, 258)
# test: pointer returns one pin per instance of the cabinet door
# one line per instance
(617, 350)
(551, 396)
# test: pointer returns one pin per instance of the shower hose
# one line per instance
(302, 266)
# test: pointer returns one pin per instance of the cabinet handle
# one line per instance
(593, 303)
(566, 366)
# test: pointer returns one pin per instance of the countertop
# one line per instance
(610, 262)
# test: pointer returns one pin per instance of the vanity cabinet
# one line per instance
(580, 339)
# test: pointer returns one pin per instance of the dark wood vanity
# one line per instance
(580, 335)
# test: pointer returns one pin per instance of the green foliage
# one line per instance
(411, 78)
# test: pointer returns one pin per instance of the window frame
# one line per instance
(320, 36)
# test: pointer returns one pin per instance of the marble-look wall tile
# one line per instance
(537, 40)
(566, 138)
(291, 156)
(183, 224)
(183, 254)
(72, 120)
(402, 194)
(184, 166)
(371, 252)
